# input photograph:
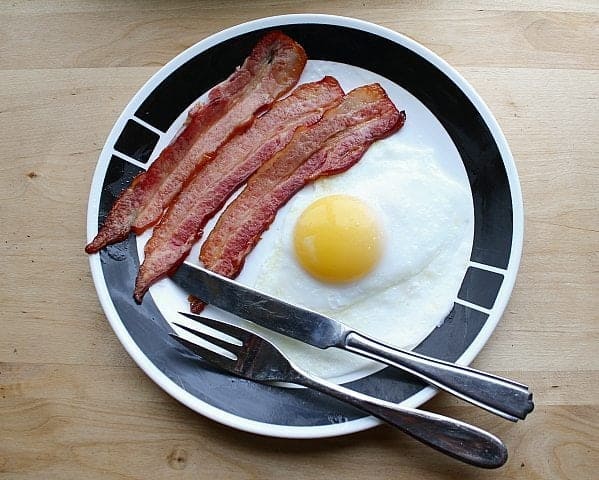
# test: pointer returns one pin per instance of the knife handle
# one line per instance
(498, 395)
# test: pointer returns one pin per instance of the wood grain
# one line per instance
(72, 402)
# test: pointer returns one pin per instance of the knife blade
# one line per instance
(504, 397)
(290, 320)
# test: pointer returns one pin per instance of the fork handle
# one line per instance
(452, 437)
(498, 395)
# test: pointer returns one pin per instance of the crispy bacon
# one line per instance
(233, 163)
(330, 146)
(272, 69)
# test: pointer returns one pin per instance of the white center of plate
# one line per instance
(402, 312)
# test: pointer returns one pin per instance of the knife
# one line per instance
(501, 396)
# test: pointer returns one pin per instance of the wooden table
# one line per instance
(72, 402)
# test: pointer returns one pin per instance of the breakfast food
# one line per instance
(421, 215)
(233, 163)
(242, 133)
(332, 145)
(271, 70)
(382, 246)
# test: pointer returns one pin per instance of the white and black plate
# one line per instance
(150, 121)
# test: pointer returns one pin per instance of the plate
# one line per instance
(153, 117)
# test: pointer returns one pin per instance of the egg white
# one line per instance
(426, 221)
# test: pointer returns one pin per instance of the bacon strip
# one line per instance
(330, 146)
(271, 70)
(233, 163)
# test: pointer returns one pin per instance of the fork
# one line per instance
(259, 360)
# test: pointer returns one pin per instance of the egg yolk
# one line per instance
(337, 239)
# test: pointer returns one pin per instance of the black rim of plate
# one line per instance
(134, 139)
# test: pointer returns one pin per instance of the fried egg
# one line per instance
(381, 247)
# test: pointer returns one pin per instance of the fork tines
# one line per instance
(226, 328)
(206, 353)
(213, 357)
